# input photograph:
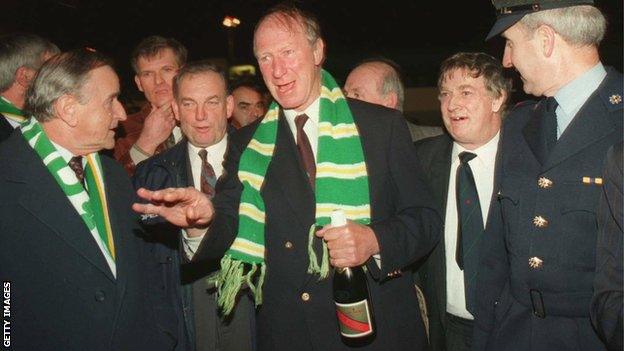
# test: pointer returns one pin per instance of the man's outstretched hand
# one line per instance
(183, 207)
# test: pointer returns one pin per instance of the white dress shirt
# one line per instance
(215, 157)
(482, 168)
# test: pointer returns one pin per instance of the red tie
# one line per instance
(208, 178)
(305, 150)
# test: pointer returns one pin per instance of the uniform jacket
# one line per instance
(184, 281)
(538, 270)
(63, 294)
(297, 312)
(607, 310)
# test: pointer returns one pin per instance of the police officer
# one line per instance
(538, 267)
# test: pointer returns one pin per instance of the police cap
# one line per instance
(508, 12)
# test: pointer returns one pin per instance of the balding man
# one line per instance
(378, 81)
(21, 55)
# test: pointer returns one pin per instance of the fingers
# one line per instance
(146, 209)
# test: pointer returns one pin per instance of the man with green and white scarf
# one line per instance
(285, 174)
(21, 54)
(71, 255)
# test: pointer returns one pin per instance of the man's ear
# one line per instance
(391, 100)
(137, 81)
(546, 36)
(66, 108)
(497, 103)
(24, 75)
(319, 52)
(176, 109)
(229, 105)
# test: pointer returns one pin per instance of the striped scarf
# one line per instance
(92, 206)
(341, 183)
(11, 112)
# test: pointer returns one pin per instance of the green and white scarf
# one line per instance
(11, 112)
(341, 183)
(92, 207)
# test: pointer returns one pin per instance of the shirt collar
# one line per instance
(65, 154)
(312, 112)
(486, 153)
(574, 94)
(213, 150)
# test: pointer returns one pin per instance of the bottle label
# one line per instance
(354, 319)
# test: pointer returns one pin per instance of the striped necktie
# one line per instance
(208, 179)
(305, 150)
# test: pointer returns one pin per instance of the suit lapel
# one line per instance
(533, 133)
(286, 169)
(45, 200)
(588, 126)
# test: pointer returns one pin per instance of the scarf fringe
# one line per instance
(230, 279)
(314, 268)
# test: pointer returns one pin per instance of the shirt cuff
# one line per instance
(137, 155)
(190, 244)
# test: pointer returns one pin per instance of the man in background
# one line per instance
(249, 104)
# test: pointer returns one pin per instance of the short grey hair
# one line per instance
(197, 67)
(392, 80)
(64, 74)
(288, 13)
(581, 25)
(21, 50)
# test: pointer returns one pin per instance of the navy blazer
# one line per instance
(5, 128)
(297, 311)
(63, 294)
(539, 260)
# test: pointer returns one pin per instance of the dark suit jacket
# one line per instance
(63, 294)
(607, 310)
(434, 155)
(403, 219)
(5, 128)
(540, 255)
(194, 302)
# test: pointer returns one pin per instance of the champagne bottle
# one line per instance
(353, 303)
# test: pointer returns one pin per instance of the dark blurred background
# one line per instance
(416, 34)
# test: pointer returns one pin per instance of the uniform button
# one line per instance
(305, 297)
(544, 183)
(540, 221)
(100, 296)
(535, 262)
(288, 245)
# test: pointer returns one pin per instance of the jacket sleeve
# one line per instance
(413, 228)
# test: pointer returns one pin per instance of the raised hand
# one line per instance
(183, 207)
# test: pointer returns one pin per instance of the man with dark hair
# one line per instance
(312, 153)
(156, 60)
(70, 249)
(201, 106)
(473, 91)
(21, 55)
(537, 272)
(378, 81)
(249, 104)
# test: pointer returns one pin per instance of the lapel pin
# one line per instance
(615, 99)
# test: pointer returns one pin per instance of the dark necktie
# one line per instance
(550, 123)
(470, 228)
(305, 150)
(76, 165)
(208, 179)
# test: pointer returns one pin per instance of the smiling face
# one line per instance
(100, 113)
(290, 65)
(470, 112)
(202, 108)
(155, 76)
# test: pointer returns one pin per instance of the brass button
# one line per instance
(540, 221)
(544, 183)
(535, 262)
(305, 297)
(288, 245)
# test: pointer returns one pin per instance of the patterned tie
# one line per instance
(76, 165)
(305, 150)
(470, 229)
(550, 123)
(208, 179)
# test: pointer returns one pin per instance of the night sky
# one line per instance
(416, 34)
